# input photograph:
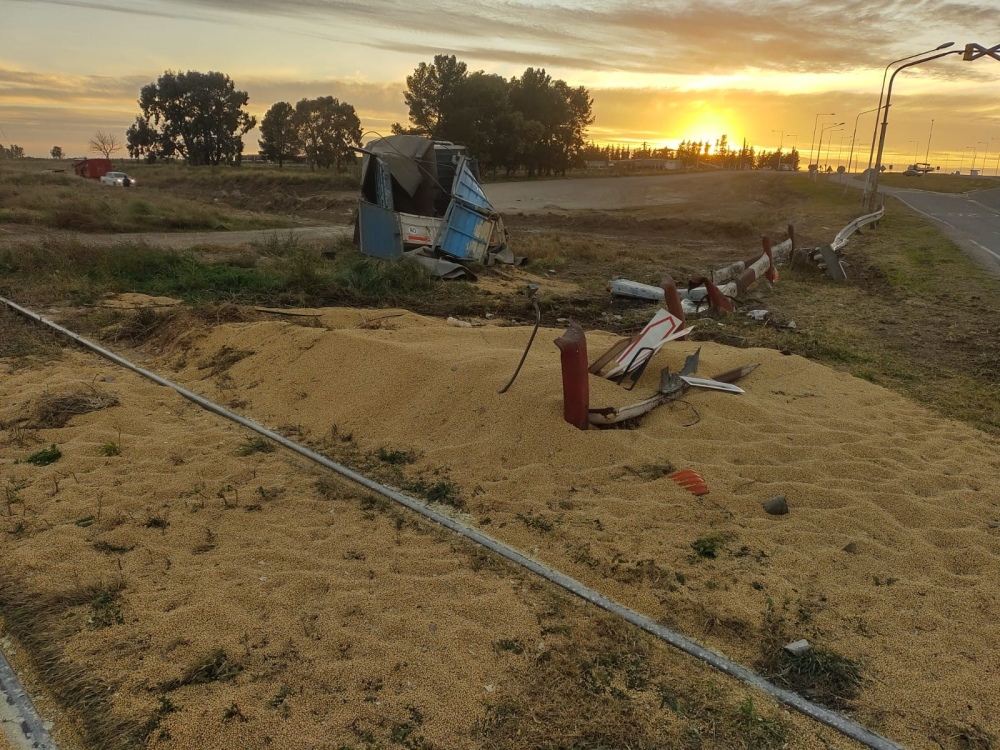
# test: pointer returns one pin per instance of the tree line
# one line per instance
(692, 154)
(323, 130)
(13, 151)
(530, 122)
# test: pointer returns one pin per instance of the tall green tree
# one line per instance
(279, 136)
(564, 114)
(199, 117)
(327, 129)
(433, 92)
(531, 121)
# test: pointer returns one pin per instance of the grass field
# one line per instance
(940, 182)
(916, 316)
(34, 195)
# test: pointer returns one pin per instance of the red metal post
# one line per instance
(672, 298)
(772, 272)
(716, 298)
(576, 386)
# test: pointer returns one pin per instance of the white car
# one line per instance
(117, 178)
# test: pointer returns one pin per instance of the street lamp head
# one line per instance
(946, 45)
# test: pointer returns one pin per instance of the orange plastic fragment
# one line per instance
(690, 480)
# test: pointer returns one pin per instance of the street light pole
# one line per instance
(819, 149)
(873, 196)
(794, 137)
(855, 134)
(813, 141)
(780, 144)
(829, 144)
(927, 156)
(962, 162)
(871, 153)
(975, 153)
(986, 153)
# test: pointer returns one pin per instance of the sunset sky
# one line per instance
(659, 71)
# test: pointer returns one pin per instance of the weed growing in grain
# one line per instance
(110, 449)
(104, 608)
(708, 546)
(215, 666)
(820, 674)
(233, 713)
(757, 731)
(514, 645)
(442, 491)
(256, 444)
(395, 457)
(45, 456)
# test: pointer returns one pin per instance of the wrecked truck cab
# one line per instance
(422, 198)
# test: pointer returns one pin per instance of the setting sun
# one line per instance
(707, 123)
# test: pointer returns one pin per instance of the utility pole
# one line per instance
(813, 142)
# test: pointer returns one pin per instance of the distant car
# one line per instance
(117, 178)
(920, 168)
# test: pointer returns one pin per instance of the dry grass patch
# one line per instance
(43, 623)
(23, 343)
(53, 410)
(598, 683)
(61, 200)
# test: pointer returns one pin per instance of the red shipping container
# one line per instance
(95, 169)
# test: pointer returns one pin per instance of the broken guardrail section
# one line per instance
(624, 363)
(830, 257)
(719, 290)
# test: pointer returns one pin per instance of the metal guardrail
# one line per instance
(844, 234)
(18, 717)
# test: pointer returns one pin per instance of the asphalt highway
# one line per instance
(971, 220)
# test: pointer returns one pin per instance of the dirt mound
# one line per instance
(176, 581)
(893, 524)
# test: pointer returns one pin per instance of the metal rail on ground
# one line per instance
(830, 718)
(25, 728)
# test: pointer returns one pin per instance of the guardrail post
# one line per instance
(772, 272)
(672, 298)
(576, 386)
(716, 298)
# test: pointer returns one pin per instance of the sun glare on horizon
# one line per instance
(707, 124)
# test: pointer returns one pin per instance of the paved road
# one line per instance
(972, 220)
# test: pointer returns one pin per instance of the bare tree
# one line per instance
(105, 143)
